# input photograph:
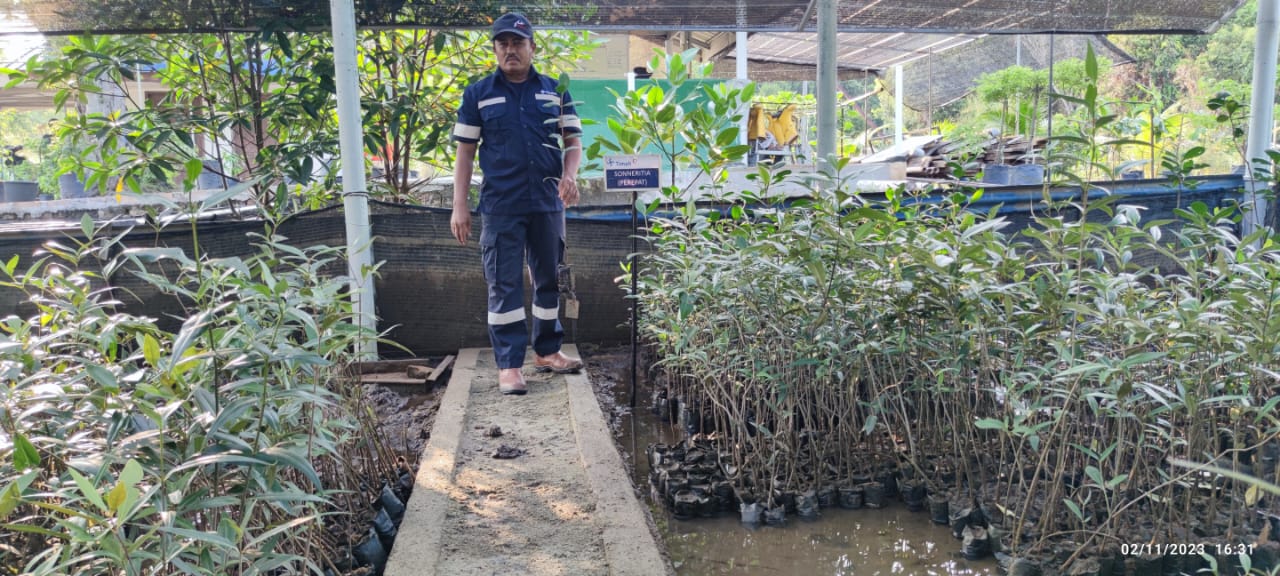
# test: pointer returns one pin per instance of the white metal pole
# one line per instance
(827, 17)
(355, 198)
(740, 55)
(1263, 100)
(740, 60)
(897, 104)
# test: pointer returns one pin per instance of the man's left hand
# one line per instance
(569, 191)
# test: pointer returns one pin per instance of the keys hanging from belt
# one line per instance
(564, 278)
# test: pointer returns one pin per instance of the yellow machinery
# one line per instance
(773, 134)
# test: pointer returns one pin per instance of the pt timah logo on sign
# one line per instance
(633, 172)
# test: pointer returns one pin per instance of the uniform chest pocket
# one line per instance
(493, 114)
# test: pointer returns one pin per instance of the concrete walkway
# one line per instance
(563, 506)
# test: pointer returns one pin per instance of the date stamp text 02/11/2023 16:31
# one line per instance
(1183, 549)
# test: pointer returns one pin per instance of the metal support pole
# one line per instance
(1260, 112)
(897, 105)
(827, 18)
(635, 300)
(1049, 99)
(740, 60)
(355, 197)
(740, 56)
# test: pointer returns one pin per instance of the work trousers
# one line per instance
(506, 242)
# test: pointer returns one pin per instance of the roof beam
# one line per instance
(723, 43)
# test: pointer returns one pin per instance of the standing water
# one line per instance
(889, 540)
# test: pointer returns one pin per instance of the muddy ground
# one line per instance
(407, 415)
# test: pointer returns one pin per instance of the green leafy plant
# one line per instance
(1046, 377)
(689, 122)
(223, 446)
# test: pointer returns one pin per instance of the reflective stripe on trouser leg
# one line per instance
(546, 252)
(502, 247)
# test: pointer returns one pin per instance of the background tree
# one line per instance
(261, 106)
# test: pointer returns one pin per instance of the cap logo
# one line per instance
(520, 24)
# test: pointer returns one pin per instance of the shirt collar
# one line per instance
(498, 75)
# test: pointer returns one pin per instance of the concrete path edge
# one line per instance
(417, 548)
(629, 545)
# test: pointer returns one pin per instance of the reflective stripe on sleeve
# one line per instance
(570, 122)
(461, 130)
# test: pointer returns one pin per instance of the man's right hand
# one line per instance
(460, 222)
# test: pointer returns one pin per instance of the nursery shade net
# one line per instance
(941, 16)
(764, 71)
(946, 76)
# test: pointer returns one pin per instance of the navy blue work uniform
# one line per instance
(519, 127)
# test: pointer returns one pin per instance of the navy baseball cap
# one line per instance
(513, 22)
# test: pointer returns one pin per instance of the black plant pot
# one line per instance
(389, 502)
(807, 505)
(1151, 565)
(371, 553)
(785, 499)
(1020, 567)
(385, 528)
(940, 509)
(888, 479)
(873, 494)
(684, 504)
(967, 517)
(828, 497)
(722, 492)
(1186, 564)
(673, 483)
(706, 505)
(851, 497)
(1266, 556)
(776, 516)
(655, 454)
(977, 543)
(913, 494)
(1085, 567)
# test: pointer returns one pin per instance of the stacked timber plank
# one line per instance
(935, 162)
(1015, 150)
(413, 373)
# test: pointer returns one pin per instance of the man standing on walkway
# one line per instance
(528, 137)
